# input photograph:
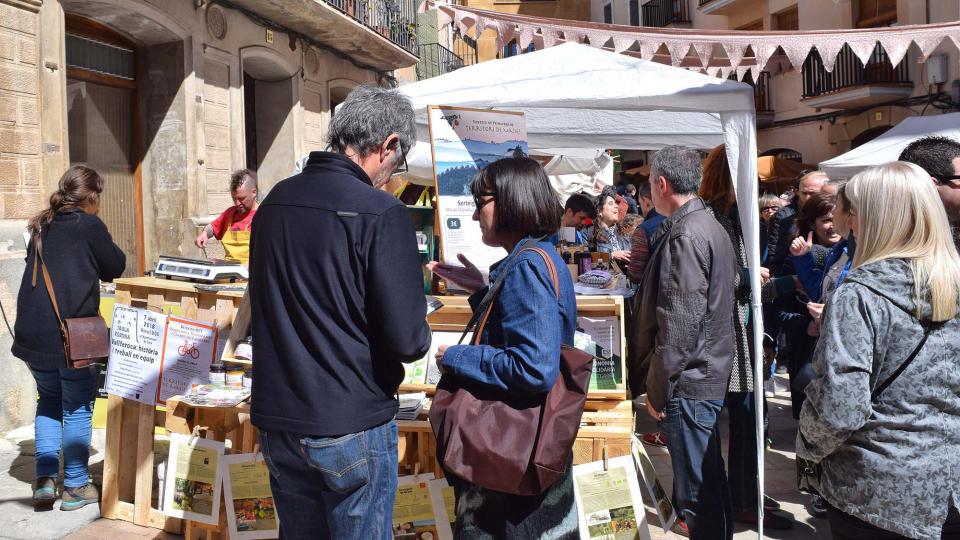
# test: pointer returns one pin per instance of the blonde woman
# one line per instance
(882, 415)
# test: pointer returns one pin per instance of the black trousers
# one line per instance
(846, 527)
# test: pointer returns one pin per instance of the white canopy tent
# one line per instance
(576, 96)
(887, 147)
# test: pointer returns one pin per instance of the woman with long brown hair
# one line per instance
(78, 252)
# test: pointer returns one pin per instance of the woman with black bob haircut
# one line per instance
(519, 349)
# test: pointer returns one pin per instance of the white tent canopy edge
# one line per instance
(575, 96)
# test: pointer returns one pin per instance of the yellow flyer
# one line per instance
(192, 486)
(251, 513)
(414, 516)
(444, 502)
(609, 500)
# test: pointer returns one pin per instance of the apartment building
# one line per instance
(809, 114)
(164, 98)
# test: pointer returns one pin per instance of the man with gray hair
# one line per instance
(683, 339)
(337, 290)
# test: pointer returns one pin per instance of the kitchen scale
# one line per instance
(201, 270)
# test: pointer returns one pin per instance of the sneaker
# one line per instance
(680, 528)
(74, 498)
(770, 504)
(45, 492)
(818, 507)
(770, 520)
(655, 439)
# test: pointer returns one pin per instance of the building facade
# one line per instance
(809, 114)
(165, 98)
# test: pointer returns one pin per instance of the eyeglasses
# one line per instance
(479, 203)
(402, 169)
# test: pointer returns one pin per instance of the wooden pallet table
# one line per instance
(129, 472)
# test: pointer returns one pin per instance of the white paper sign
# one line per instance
(187, 354)
(251, 513)
(609, 503)
(136, 346)
(444, 506)
(648, 475)
(193, 479)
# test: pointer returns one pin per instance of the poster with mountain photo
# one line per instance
(464, 141)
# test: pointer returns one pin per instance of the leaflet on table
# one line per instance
(444, 505)
(154, 356)
(414, 515)
(609, 501)
(192, 486)
(648, 475)
(251, 513)
(136, 347)
(464, 141)
(214, 395)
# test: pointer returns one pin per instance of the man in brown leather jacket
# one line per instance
(683, 335)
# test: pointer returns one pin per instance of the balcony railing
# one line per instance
(849, 72)
(661, 13)
(435, 59)
(396, 20)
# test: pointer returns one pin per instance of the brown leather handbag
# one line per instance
(86, 340)
(505, 442)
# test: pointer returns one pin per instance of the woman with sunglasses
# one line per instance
(519, 349)
(882, 416)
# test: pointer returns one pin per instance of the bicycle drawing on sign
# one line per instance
(189, 349)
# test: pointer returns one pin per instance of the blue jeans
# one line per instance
(333, 487)
(700, 492)
(64, 413)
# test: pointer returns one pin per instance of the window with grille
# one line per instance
(634, 12)
(99, 57)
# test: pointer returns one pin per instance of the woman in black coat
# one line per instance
(78, 252)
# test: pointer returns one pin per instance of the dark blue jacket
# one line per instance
(337, 292)
(811, 276)
(520, 346)
(79, 252)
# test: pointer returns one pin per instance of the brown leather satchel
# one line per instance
(86, 340)
(505, 442)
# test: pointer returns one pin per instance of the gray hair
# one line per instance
(680, 166)
(367, 117)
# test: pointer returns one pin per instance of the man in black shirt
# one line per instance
(338, 305)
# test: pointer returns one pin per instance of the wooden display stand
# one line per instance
(128, 469)
(607, 419)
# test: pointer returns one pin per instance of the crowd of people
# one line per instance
(860, 293)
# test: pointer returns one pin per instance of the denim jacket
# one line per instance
(520, 345)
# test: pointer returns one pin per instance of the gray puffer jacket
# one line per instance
(894, 463)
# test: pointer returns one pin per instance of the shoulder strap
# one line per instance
(38, 257)
(479, 320)
(927, 328)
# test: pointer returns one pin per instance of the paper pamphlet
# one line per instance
(648, 476)
(607, 363)
(193, 479)
(136, 347)
(251, 514)
(464, 141)
(609, 501)
(155, 356)
(414, 517)
(188, 351)
(444, 506)
(440, 338)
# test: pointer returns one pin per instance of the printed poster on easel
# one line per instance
(648, 475)
(251, 513)
(193, 479)
(463, 141)
(608, 500)
(155, 356)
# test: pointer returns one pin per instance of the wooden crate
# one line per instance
(456, 312)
